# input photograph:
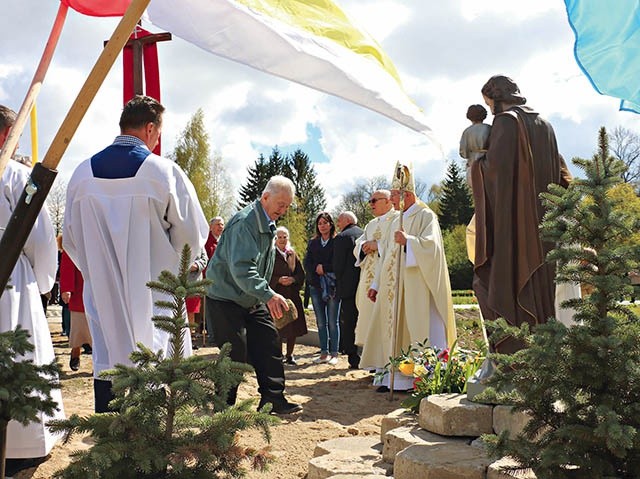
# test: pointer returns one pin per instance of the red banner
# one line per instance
(99, 8)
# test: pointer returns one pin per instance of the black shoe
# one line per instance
(87, 349)
(291, 361)
(354, 361)
(74, 364)
(281, 407)
(194, 346)
(382, 389)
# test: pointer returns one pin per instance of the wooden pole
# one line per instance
(94, 81)
(403, 179)
(35, 192)
(38, 77)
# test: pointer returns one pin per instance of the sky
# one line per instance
(444, 51)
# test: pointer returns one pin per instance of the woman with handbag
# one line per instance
(287, 279)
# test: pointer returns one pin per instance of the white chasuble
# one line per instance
(424, 303)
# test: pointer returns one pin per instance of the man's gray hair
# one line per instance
(279, 184)
(353, 219)
(383, 192)
(216, 219)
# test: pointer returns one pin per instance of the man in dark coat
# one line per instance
(512, 280)
(347, 278)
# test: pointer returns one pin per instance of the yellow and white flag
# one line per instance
(311, 42)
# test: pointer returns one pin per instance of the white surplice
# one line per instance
(121, 233)
(376, 230)
(34, 273)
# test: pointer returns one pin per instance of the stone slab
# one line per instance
(495, 470)
(505, 419)
(450, 461)
(356, 445)
(402, 437)
(344, 462)
(454, 415)
(398, 418)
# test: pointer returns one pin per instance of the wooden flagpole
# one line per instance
(43, 174)
(403, 179)
(38, 77)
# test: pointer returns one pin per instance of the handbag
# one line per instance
(287, 316)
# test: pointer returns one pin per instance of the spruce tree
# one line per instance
(456, 205)
(257, 177)
(581, 385)
(310, 195)
(171, 419)
(25, 388)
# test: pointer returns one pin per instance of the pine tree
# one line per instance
(456, 205)
(257, 177)
(310, 195)
(581, 385)
(25, 388)
(171, 418)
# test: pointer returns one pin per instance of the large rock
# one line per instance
(346, 463)
(446, 461)
(506, 419)
(397, 418)
(402, 437)
(496, 470)
(356, 445)
(454, 415)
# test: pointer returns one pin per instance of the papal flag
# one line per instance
(607, 46)
(311, 42)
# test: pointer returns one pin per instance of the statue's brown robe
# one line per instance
(512, 279)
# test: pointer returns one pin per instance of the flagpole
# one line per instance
(43, 174)
(402, 178)
(38, 77)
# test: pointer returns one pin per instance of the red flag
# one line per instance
(99, 8)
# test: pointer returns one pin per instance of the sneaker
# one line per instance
(333, 361)
(74, 364)
(324, 358)
(291, 361)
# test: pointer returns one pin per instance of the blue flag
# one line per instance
(607, 46)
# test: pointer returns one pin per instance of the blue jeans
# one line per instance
(327, 320)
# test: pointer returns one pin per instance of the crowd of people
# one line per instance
(374, 291)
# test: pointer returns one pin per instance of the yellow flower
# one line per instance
(406, 367)
(419, 370)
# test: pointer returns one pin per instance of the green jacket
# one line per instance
(242, 264)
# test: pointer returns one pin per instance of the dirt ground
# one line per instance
(337, 402)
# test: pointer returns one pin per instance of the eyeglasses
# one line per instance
(372, 201)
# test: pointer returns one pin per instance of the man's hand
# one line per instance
(372, 294)
(400, 237)
(369, 247)
(66, 297)
(320, 270)
(276, 305)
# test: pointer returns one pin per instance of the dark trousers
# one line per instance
(102, 395)
(348, 321)
(254, 340)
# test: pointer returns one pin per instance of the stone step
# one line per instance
(402, 437)
(347, 463)
(496, 471)
(398, 418)
(506, 419)
(356, 476)
(441, 461)
(357, 445)
(454, 415)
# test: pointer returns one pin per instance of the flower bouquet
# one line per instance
(435, 370)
